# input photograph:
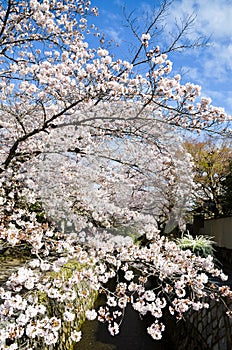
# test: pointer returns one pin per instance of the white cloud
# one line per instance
(215, 62)
(119, 3)
(210, 67)
(114, 34)
(223, 54)
(146, 9)
(213, 16)
(110, 16)
(229, 100)
(190, 73)
(222, 98)
(111, 24)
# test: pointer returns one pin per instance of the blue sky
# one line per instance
(210, 67)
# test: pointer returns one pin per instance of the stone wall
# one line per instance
(207, 329)
(82, 304)
(224, 256)
(9, 265)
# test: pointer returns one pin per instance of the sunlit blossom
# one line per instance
(90, 167)
(91, 314)
(76, 336)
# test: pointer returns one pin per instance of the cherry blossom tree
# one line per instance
(95, 142)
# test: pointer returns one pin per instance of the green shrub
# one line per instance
(200, 245)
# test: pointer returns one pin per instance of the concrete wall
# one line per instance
(220, 230)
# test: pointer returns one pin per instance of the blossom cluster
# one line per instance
(90, 160)
(152, 278)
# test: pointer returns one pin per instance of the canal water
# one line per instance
(132, 336)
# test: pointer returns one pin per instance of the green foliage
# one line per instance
(201, 245)
(211, 167)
